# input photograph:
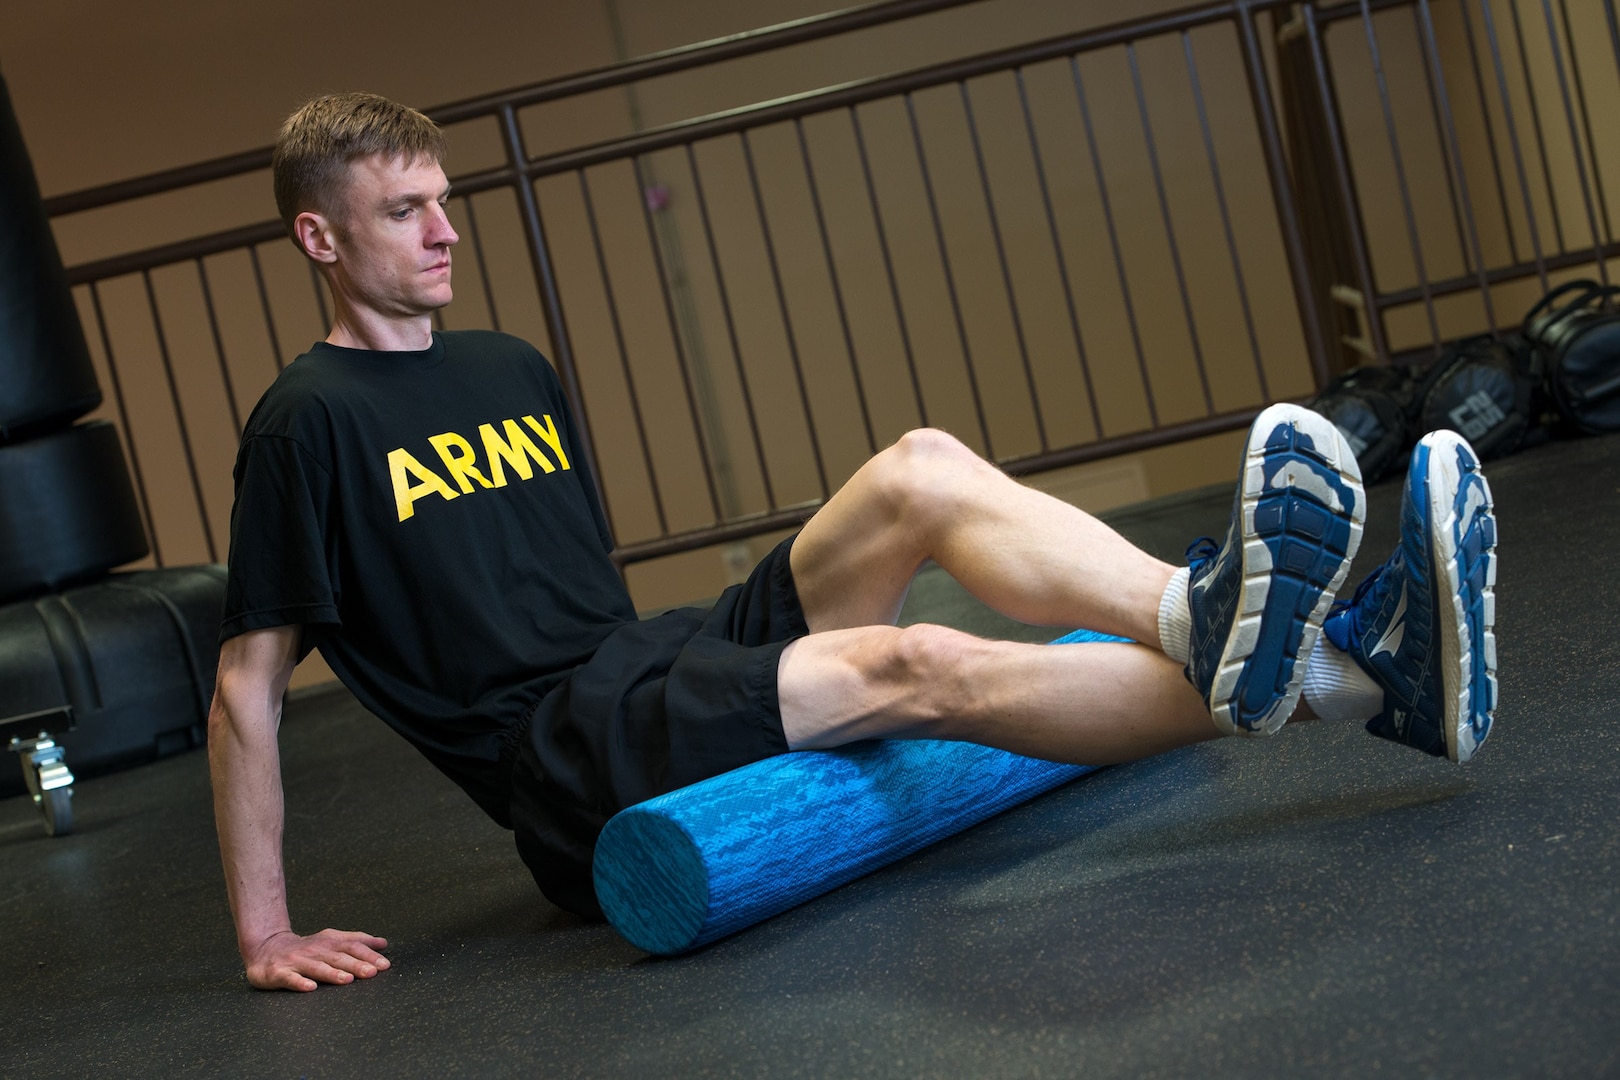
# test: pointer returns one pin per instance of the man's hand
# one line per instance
(286, 961)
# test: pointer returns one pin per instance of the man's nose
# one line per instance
(441, 231)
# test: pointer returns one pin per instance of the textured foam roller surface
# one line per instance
(689, 867)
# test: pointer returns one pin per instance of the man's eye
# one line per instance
(401, 214)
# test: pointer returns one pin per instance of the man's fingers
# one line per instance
(279, 978)
(368, 940)
(332, 956)
(354, 952)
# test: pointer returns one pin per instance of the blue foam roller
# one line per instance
(689, 867)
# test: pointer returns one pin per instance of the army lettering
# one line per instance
(507, 448)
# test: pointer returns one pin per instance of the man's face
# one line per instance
(393, 238)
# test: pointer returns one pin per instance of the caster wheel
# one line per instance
(57, 806)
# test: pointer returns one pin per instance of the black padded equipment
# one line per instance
(67, 510)
(133, 655)
(1370, 407)
(1483, 389)
(1576, 333)
(46, 377)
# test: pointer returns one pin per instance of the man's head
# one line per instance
(321, 140)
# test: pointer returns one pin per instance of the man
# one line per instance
(411, 503)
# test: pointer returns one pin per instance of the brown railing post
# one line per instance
(534, 234)
(1282, 192)
(1372, 311)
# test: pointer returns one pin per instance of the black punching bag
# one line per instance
(46, 377)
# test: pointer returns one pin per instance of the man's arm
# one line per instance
(245, 764)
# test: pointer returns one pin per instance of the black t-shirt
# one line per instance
(426, 518)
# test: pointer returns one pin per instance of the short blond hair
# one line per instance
(319, 141)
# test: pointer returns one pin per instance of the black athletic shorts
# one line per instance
(665, 702)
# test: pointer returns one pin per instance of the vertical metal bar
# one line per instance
(123, 422)
(950, 279)
(1614, 29)
(1226, 214)
(837, 289)
(1586, 118)
(1535, 124)
(1575, 140)
(1057, 250)
(483, 268)
(1113, 241)
(320, 293)
(731, 325)
(698, 429)
(179, 415)
(534, 233)
(1282, 195)
(1490, 135)
(1430, 73)
(264, 302)
(1513, 142)
(1455, 158)
(1006, 271)
(787, 319)
(888, 268)
(624, 361)
(1169, 224)
(1400, 173)
(219, 348)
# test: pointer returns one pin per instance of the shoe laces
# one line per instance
(1374, 584)
(1200, 552)
(1366, 586)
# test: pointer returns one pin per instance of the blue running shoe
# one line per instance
(1258, 600)
(1422, 624)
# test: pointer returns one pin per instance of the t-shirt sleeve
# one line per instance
(281, 570)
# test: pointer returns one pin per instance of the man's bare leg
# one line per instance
(1027, 555)
(1092, 704)
(1023, 553)
(1038, 560)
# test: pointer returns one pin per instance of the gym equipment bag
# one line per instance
(1576, 335)
(1482, 388)
(1370, 407)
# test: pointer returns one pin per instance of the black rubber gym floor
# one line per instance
(1319, 903)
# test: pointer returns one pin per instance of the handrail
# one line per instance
(862, 90)
(666, 62)
(724, 122)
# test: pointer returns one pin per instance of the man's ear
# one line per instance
(316, 235)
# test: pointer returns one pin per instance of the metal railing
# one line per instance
(1498, 143)
(1074, 248)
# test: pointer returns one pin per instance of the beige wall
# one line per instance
(106, 91)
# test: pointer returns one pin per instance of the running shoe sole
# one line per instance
(1299, 536)
(1462, 553)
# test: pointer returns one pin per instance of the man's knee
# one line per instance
(926, 468)
(933, 448)
(929, 668)
(877, 682)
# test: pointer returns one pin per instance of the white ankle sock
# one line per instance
(1175, 618)
(1336, 688)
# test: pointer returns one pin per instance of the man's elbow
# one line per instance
(253, 673)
